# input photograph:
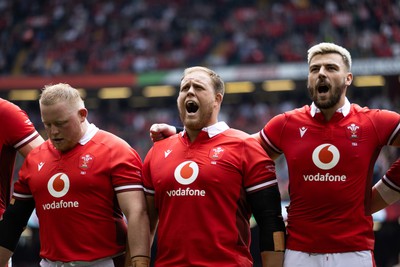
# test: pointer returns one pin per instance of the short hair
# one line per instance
(54, 93)
(219, 85)
(326, 48)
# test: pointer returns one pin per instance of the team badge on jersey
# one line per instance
(85, 161)
(216, 153)
(353, 131)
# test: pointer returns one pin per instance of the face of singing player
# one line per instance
(198, 103)
(63, 123)
(328, 79)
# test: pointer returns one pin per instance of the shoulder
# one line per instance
(7, 107)
(11, 111)
(109, 139)
(357, 109)
(114, 145)
(7, 104)
(236, 134)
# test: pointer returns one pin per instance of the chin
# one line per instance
(194, 125)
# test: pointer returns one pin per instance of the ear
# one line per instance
(219, 97)
(349, 79)
(83, 112)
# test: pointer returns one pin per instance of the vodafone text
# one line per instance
(60, 205)
(324, 178)
(186, 192)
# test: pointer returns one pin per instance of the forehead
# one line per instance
(55, 112)
(327, 59)
(196, 76)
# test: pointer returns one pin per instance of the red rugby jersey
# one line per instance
(16, 131)
(200, 192)
(75, 195)
(330, 168)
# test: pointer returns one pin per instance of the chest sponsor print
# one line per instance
(58, 186)
(185, 174)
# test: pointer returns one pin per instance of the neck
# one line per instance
(84, 127)
(329, 112)
(192, 134)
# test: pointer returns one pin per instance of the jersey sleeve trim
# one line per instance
(394, 134)
(124, 188)
(149, 191)
(261, 186)
(388, 190)
(26, 140)
(267, 142)
(22, 196)
(390, 184)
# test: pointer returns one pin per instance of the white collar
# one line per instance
(90, 132)
(214, 129)
(345, 109)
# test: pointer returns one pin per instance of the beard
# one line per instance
(196, 124)
(332, 100)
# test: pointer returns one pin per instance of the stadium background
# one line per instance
(127, 58)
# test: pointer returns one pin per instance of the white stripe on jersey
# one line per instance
(394, 134)
(391, 184)
(124, 187)
(389, 195)
(17, 146)
(256, 187)
(149, 191)
(22, 195)
(265, 138)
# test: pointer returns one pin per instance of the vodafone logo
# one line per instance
(326, 156)
(58, 185)
(186, 172)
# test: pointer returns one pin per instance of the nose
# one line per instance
(53, 130)
(191, 90)
(322, 71)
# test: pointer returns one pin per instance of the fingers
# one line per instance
(159, 131)
(155, 128)
(155, 134)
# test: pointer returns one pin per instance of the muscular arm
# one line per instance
(153, 215)
(133, 205)
(266, 208)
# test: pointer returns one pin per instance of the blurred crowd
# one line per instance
(108, 36)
